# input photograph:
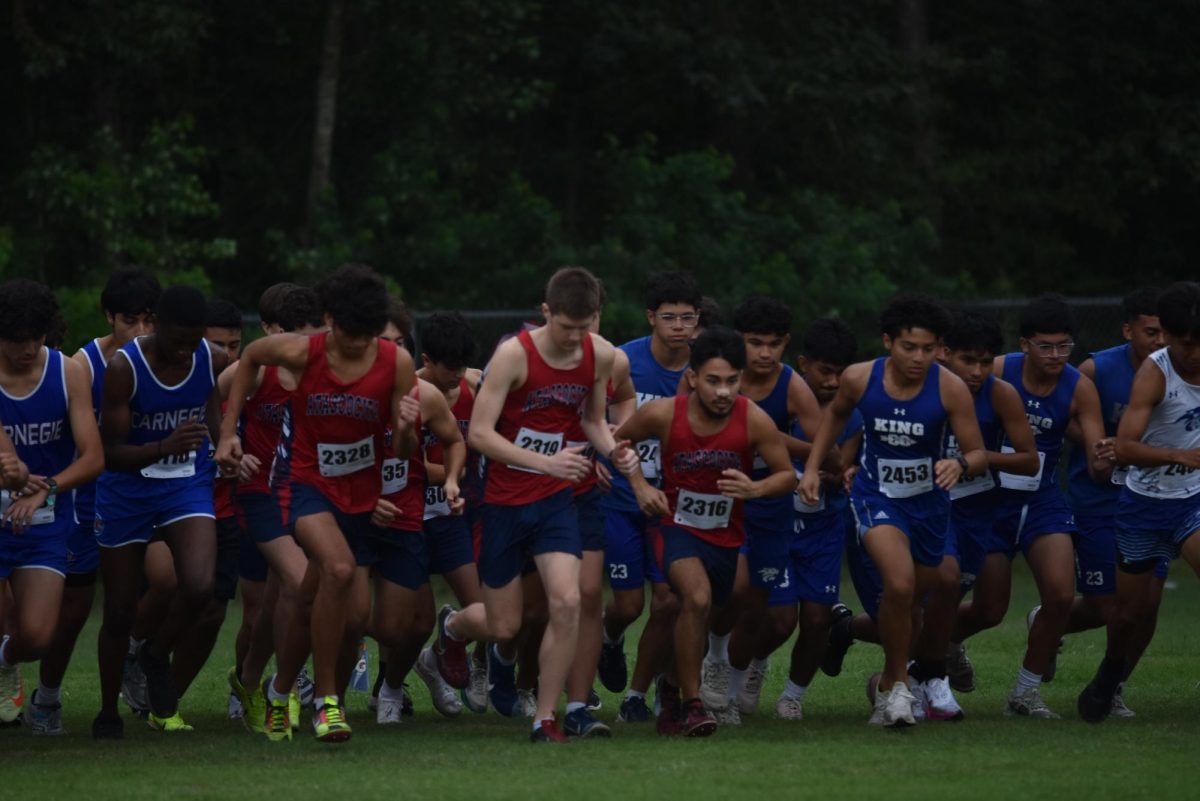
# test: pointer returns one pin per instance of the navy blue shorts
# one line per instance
(719, 563)
(971, 523)
(1151, 531)
(116, 527)
(514, 534)
(354, 527)
(252, 565)
(814, 571)
(924, 519)
(39, 547)
(629, 538)
(260, 515)
(1025, 516)
(229, 546)
(1095, 554)
(591, 520)
(448, 540)
(768, 542)
(83, 554)
(401, 557)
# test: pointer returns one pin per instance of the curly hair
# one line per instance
(28, 310)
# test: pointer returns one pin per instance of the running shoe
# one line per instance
(747, 697)
(612, 669)
(698, 721)
(634, 710)
(1030, 704)
(452, 660)
(170, 723)
(840, 640)
(45, 719)
(580, 723)
(329, 722)
(548, 732)
(445, 700)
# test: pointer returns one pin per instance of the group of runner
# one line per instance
(332, 466)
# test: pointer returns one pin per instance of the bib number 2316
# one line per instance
(336, 459)
(703, 511)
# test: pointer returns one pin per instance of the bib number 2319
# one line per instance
(543, 442)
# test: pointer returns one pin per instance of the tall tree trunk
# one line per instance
(326, 114)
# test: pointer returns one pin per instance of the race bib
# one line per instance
(703, 511)
(41, 516)
(966, 487)
(904, 478)
(648, 453)
(542, 442)
(803, 508)
(1119, 474)
(173, 465)
(436, 504)
(589, 450)
(1022, 483)
(395, 475)
(336, 459)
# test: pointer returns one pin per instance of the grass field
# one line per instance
(831, 754)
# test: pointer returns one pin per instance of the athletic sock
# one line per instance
(48, 696)
(500, 657)
(718, 648)
(634, 694)
(4, 650)
(273, 694)
(446, 627)
(573, 705)
(390, 692)
(793, 690)
(1027, 681)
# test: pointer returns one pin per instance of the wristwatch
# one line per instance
(962, 462)
(53, 493)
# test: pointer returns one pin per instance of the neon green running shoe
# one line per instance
(294, 709)
(254, 705)
(277, 719)
(173, 723)
(329, 722)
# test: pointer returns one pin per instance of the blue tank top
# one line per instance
(1114, 380)
(155, 410)
(39, 425)
(650, 381)
(902, 439)
(1048, 416)
(833, 501)
(977, 490)
(776, 407)
(85, 494)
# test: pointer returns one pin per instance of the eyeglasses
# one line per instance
(688, 320)
(1053, 348)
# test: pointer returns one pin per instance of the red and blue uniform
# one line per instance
(261, 427)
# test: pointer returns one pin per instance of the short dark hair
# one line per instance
(355, 297)
(671, 287)
(830, 340)
(130, 290)
(298, 307)
(446, 338)
(1179, 309)
(574, 292)
(910, 310)
(759, 314)
(269, 302)
(183, 306)
(718, 342)
(973, 331)
(222, 314)
(399, 316)
(1047, 314)
(1140, 302)
(28, 310)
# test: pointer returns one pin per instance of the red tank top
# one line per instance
(262, 423)
(436, 504)
(538, 416)
(577, 437)
(691, 466)
(337, 428)
(404, 485)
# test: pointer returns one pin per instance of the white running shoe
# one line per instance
(475, 696)
(938, 701)
(728, 716)
(747, 698)
(878, 700)
(45, 720)
(898, 708)
(1029, 704)
(133, 686)
(236, 710)
(714, 685)
(959, 670)
(390, 710)
(1119, 710)
(445, 699)
(526, 704)
(12, 693)
(789, 708)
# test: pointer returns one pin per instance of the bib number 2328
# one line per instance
(336, 459)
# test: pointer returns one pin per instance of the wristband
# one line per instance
(962, 462)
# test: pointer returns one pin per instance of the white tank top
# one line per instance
(1174, 423)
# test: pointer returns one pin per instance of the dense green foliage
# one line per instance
(825, 151)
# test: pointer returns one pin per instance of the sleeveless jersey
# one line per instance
(403, 483)
(1174, 423)
(337, 427)
(992, 430)
(261, 426)
(901, 439)
(692, 465)
(650, 381)
(155, 410)
(1114, 380)
(85, 494)
(39, 426)
(436, 504)
(834, 501)
(1048, 416)
(538, 416)
(775, 404)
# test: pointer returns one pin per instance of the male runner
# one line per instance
(899, 494)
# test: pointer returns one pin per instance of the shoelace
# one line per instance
(277, 716)
(332, 713)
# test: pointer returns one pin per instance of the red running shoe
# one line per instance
(451, 654)
(548, 732)
(698, 721)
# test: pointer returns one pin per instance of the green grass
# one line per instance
(831, 754)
